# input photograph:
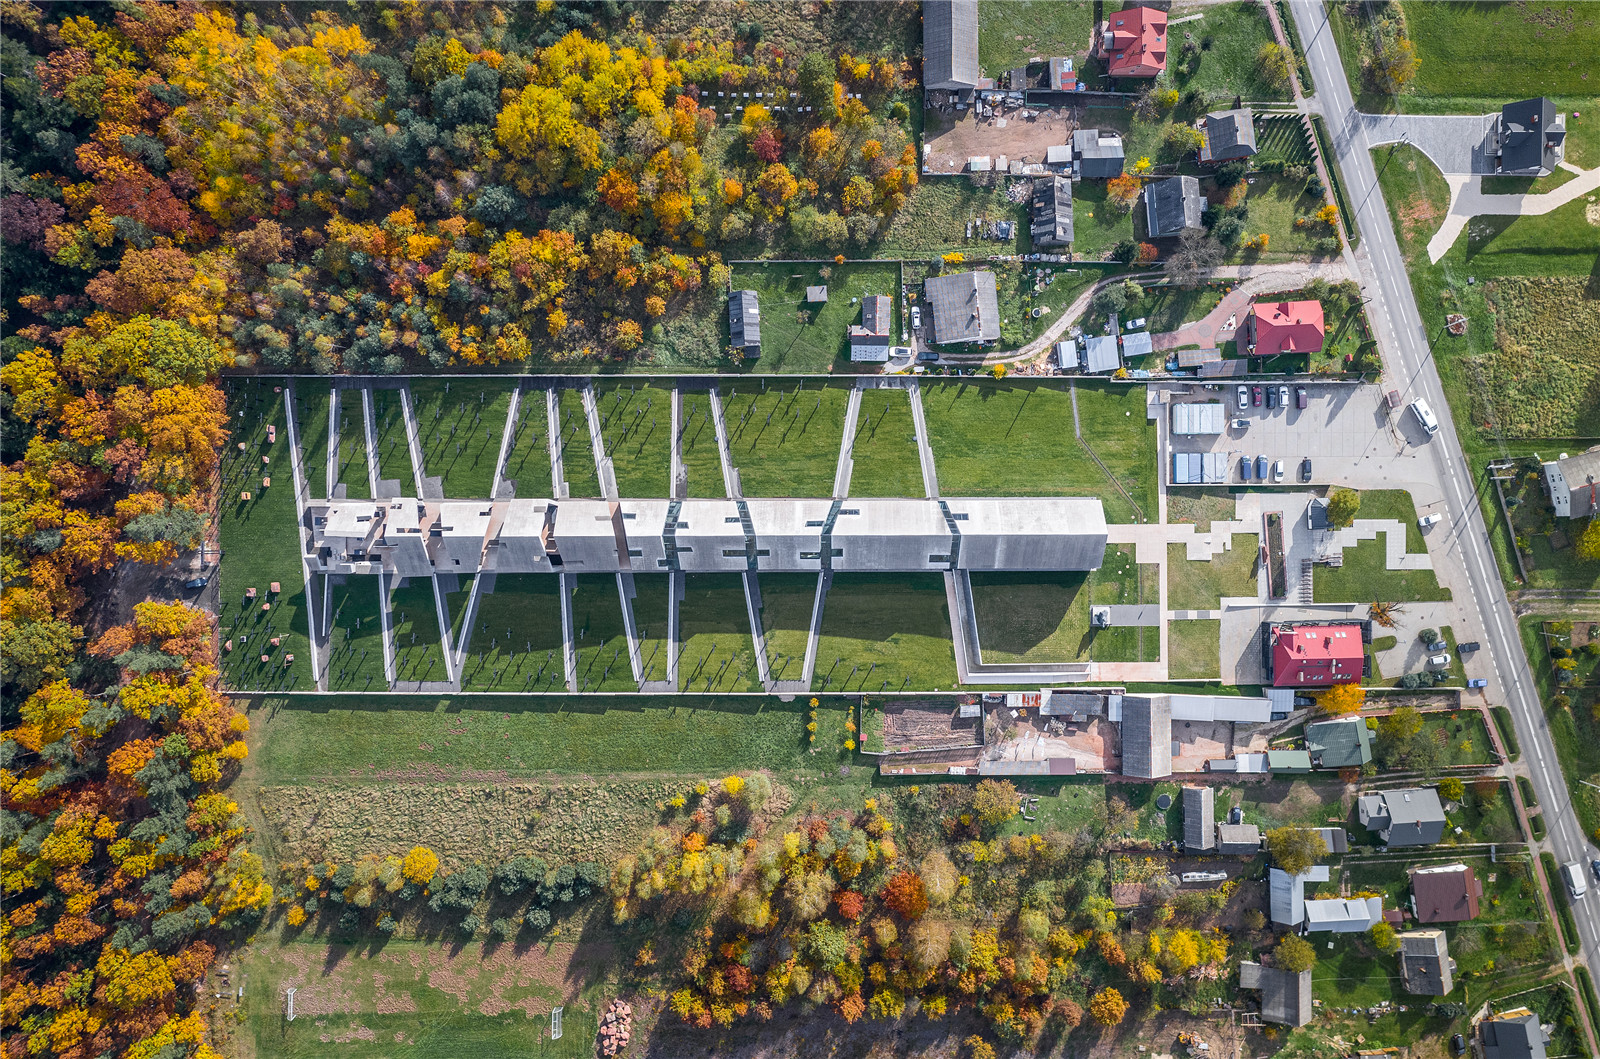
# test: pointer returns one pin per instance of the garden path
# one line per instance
(1467, 200)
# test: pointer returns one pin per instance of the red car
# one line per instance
(1256, 395)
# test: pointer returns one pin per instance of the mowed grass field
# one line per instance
(355, 660)
(702, 461)
(651, 616)
(261, 544)
(1230, 36)
(885, 632)
(311, 404)
(801, 336)
(1193, 585)
(577, 450)
(460, 430)
(786, 603)
(785, 439)
(351, 460)
(528, 459)
(636, 425)
(1044, 617)
(1195, 647)
(884, 452)
(602, 644)
(716, 651)
(1012, 32)
(419, 653)
(516, 636)
(1015, 439)
(389, 438)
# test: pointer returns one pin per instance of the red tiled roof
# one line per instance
(1287, 327)
(1316, 654)
(1138, 43)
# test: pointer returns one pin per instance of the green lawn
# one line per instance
(352, 458)
(934, 221)
(879, 628)
(1121, 581)
(355, 661)
(1096, 226)
(786, 602)
(1169, 308)
(418, 651)
(389, 436)
(797, 336)
(1282, 138)
(1201, 585)
(455, 603)
(884, 452)
(636, 424)
(1195, 647)
(1504, 51)
(1040, 617)
(1011, 439)
(1230, 36)
(1398, 505)
(651, 615)
(460, 431)
(602, 640)
(716, 652)
(311, 427)
(1274, 203)
(528, 461)
(260, 545)
(518, 632)
(1011, 32)
(785, 438)
(702, 461)
(1364, 578)
(577, 451)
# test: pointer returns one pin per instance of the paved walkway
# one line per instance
(1467, 200)
(841, 473)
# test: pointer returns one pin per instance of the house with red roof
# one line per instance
(1315, 655)
(1271, 328)
(1133, 42)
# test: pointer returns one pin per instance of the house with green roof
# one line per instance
(1342, 743)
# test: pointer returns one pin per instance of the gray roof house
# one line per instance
(1337, 744)
(1343, 915)
(1100, 353)
(1531, 136)
(1199, 819)
(950, 44)
(1285, 995)
(1098, 153)
(1238, 840)
(1425, 963)
(1146, 736)
(1286, 894)
(1171, 206)
(744, 323)
(1514, 1034)
(1572, 482)
(1052, 212)
(965, 308)
(1227, 135)
(869, 340)
(1411, 817)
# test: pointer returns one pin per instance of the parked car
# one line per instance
(1244, 468)
(1477, 682)
(1458, 1044)
(1244, 397)
(1272, 397)
(1572, 875)
(197, 582)
(1305, 469)
(1261, 468)
(1429, 520)
(1468, 647)
(1439, 660)
(1436, 645)
(916, 318)
(1256, 394)
(928, 356)
(1283, 396)
(1299, 396)
(1241, 424)
(1277, 471)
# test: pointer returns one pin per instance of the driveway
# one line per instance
(1456, 143)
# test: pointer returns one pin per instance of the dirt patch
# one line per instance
(931, 727)
(1024, 136)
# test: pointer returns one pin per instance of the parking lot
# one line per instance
(1348, 432)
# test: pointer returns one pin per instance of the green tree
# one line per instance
(1294, 849)
(1342, 507)
(1294, 954)
(816, 85)
(1273, 64)
(1589, 543)
(33, 653)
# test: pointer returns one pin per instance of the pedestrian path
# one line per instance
(1468, 200)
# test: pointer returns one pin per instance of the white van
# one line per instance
(1425, 416)
(1572, 875)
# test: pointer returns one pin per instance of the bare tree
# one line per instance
(1197, 253)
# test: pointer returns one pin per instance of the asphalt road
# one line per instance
(1405, 346)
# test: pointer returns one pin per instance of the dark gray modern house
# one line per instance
(1052, 211)
(1530, 138)
(1411, 817)
(1227, 135)
(965, 308)
(744, 323)
(1199, 819)
(1285, 995)
(1172, 206)
(950, 45)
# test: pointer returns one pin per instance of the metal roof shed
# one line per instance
(1199, 468)
(1136, 343)
(1198, 417)
(950, 44)
(1102, 354)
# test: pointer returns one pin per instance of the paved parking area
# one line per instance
(1348, 432)
(1457, 143)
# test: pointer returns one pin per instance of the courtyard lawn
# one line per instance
(702, 460)
(1169, 308)
(1010, 439)
(651, 616)
(1032, 617)
(528, 460)
(1364, 578)
(352, 456)
(786, 603)
(1196, 648)
(602, 639)
(798, 336)
(716, 652)
(1195, 585)
(1201, 507)
(1097, 226)
(419, 654)
(1283, 138)
(884, 453)
(518, 633)
(311, 428)
(885, 631)
(1013, 32)
(355, 661)
(389, 438)
(1398, 505)
(1230, 36)
(1304, 801)
(1121, 581)
(636, 425)
(785, 439)
(260, 540)
(455, 603)
(1274, 203)
(577, 450)
(460, 429)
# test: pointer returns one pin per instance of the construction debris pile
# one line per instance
(616, 1027)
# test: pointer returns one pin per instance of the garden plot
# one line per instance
(883, 632)
(798, 335)
(636, 427)
(785, 439)
(460, 429)
(900, 726)
(516, 640)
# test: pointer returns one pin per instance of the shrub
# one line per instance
(1294, 954)
(1107, 1008)
(420, 865)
